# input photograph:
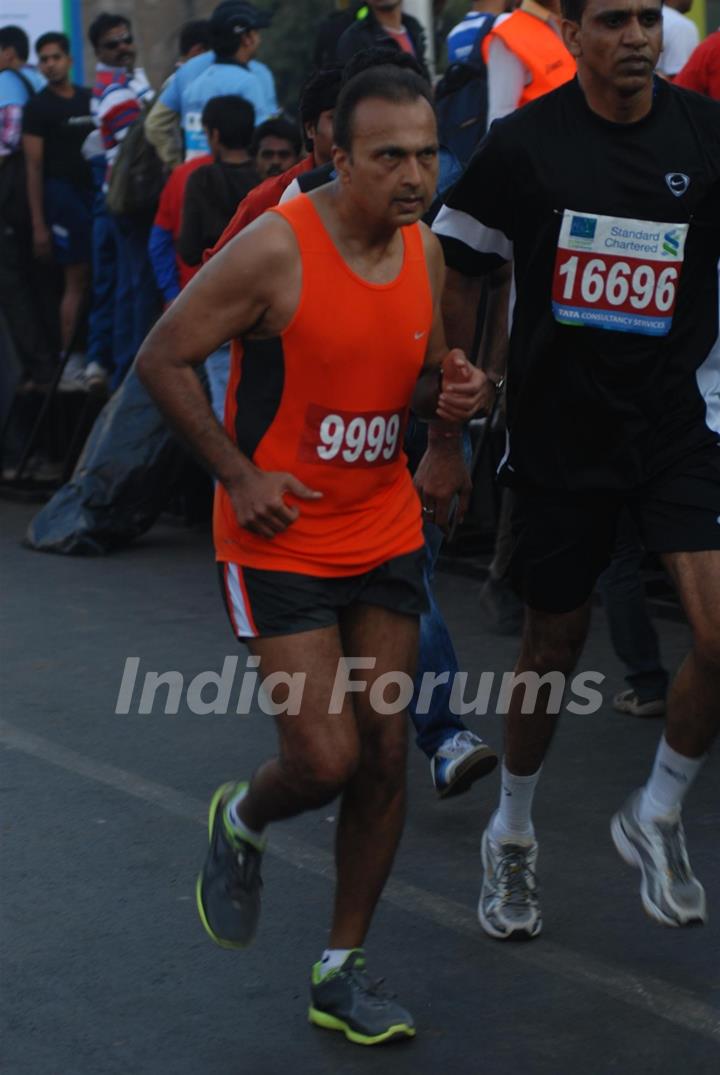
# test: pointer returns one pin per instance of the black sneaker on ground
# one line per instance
(347, 1000)
(228, 889)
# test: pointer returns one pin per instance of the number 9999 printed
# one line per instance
(351, 439)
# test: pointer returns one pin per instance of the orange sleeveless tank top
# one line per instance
(327, 401)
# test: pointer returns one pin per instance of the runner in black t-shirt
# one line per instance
(56, 122)
(605, 194)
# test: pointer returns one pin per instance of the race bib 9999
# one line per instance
(351, 438)
(617, 274)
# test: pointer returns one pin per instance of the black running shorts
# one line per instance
(562, 542)
(269, 604)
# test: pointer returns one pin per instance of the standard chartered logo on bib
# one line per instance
(617, 274)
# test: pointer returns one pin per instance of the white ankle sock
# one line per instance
(512, 818)
(671, 777)
(238, 825)
(333, 958)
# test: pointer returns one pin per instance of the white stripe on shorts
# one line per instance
(238, 607)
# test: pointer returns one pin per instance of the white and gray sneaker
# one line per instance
(670, 892)
(629, 702)
(458, 762)
(73, 376)
(509, 906)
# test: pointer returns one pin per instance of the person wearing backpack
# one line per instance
(479, 20)
(461, 96)
(122, 92)
(18, 83)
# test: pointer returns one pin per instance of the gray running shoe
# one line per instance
(509, 905)
(670, 892)
(347, 1000)
(228, 889)
(459, 762)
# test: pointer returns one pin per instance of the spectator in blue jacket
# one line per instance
(231, 68)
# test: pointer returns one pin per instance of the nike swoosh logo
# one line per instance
(419, 335)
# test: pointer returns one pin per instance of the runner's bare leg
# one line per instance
(318, 751)
(693, 710)
(551, 642)
(372, 811)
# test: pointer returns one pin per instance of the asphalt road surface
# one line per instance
(105, 967)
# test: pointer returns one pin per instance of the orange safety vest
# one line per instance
(538, 48)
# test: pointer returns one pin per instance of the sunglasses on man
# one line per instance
(113, 43)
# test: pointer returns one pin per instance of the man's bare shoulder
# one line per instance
(431, 243)
(266, 243)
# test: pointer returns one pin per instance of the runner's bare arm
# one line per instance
(461, 298)
(442, 478)
(458, 395)
(494, 342)
(250, 288)
(460, 302)
(34, 149)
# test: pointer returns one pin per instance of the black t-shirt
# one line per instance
(318, 177)
(614, 231)
(63, 123)
(212, 195)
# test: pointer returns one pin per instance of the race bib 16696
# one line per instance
(617, 274)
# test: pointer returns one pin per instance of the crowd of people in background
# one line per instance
(118, 238)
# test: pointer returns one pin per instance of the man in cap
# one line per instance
(229, 69)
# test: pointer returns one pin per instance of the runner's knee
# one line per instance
(324, 774)
(706, 641)
(385, 759)
(549, 652)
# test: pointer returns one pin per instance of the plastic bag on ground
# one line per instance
(126, 475)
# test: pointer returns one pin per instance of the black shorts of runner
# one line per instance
(269, 604)
(562, 542)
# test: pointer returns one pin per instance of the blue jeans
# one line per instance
(633, 636)
(217, 369)
(436, 651)
(101, 319)
(436, 654)
(137, 298)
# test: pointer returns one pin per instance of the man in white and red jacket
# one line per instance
(120, 92)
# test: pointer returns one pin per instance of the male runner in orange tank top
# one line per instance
(333, 302)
